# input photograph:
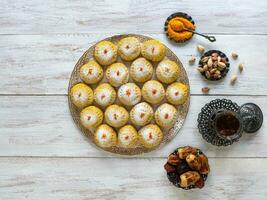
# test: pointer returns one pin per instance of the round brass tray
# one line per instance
(169, 134)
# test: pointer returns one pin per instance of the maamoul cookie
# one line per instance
(141, 70)
(91, 117)
(91, 72)
(127, 136)
(117, 74)
(105, 94)
(150, 136)
(167, 71)
(153, 50)
(177, 93)
(129, 94)
(81, 95)
(105, 52)
(129, 48)
(105, 136)
(166, 115)
(141, 114)
(153, 92)
(116, 116)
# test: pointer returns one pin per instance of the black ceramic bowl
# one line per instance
(223, 72)
(178, 14)
(174, 177)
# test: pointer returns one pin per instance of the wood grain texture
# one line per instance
(125, 179)
(66, 16)
(42, 126)
(44, 156)
(42, 64)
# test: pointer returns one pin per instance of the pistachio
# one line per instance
(191, 60)
(205, 90)
(234, 55)
(200, 49)
(205, 68)
(215, 64)
(219, 58)
(205, 59)
(240, 67)
(200, 69)
(213, 71)
(233, 79)
(207, 73)
(210, 62)
(221, 64)
(217, 72)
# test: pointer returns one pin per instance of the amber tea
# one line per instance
(227, 124)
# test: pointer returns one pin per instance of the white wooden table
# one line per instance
(42, 153)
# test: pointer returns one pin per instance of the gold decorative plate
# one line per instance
(169, 134)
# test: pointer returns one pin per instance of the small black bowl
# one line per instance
(177, 14)
(174, 177)
(223, 72)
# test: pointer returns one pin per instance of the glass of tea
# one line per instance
(227, 124)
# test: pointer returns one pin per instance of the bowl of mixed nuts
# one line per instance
(214, 65)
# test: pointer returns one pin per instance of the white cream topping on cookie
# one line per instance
(175, 93)
(128, 93)
(106, 53)
(140, 68)
(166, 113)
(104, 96)
(141, 113)
(103, 135)
(149, 135)
(89, 119)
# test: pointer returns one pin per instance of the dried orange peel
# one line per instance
(176, 29)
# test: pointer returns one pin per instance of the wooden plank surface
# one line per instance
(67, 16)
(42, 126)
(125, 179)
(42, 64)
(43, 155)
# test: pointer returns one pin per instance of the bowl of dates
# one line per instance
(187, 168)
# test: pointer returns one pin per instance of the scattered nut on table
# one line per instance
(205, 90)
(241, 67)
(234, 55)
(233, 79)
(200, 49)
(191, 60)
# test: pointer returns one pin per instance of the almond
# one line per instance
(205, 90)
